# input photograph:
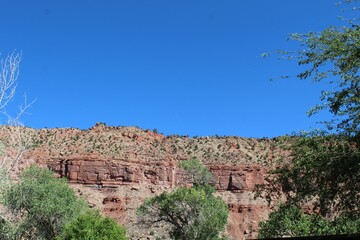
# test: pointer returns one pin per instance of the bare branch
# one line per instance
(16, 143)
(9, 72)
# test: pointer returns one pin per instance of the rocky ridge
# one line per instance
(116, 168)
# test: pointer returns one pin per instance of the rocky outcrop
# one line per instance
(108, 173)
(114, 172)
(116, 168)
(236, 184)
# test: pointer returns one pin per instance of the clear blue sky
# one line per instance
(184, 67)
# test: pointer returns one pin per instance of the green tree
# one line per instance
(325, 164)
(92, 226)
(45, 204)
(198, 173)
(291, 221)
(324, 169)
(332, 56)
(193, 213)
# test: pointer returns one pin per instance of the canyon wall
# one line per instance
(116, 168)
(235, 184)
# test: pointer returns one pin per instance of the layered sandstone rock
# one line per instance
(116, 168)
(235, 183)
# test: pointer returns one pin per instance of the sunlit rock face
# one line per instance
(116, 168)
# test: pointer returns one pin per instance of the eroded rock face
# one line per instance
(107, 173)
(116, 168)
(115, 207)
(235, 183)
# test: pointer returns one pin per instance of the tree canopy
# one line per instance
(193, 213)
(290, 220)
(45, 203)
(324, 169)
(92, 226)
(46, 208)
(198, 173)
(333, 56)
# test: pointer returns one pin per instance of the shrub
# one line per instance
(92, 226)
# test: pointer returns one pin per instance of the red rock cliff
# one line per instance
(121, 166)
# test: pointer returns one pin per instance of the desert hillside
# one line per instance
(116, 168)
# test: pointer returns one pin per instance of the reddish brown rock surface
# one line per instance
(236, 184)
(116, 168)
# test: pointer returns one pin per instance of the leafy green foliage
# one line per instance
(193, 213)
(46, 204)
(325, 169)
(92, 226)
(5, 230)
(289, 220)
(325, 165)
(199, 174)
(4, 184)
(333, 56)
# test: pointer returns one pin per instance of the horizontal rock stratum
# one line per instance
(116, 168)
